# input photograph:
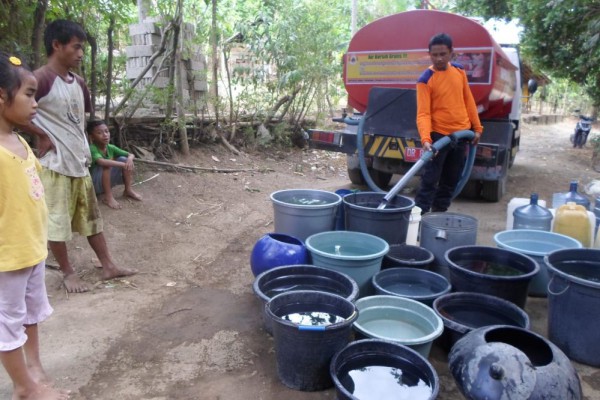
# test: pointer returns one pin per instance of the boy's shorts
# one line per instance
(23, 301)
(72, 206)
(116, 176)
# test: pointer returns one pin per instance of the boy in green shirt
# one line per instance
(111, 166)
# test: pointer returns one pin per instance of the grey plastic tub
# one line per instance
(304, 212)
(441, 231)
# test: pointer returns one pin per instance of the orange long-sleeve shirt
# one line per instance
(445, 103)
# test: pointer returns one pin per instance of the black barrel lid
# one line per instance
(494, 370)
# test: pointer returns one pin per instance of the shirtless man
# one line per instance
(63, 99)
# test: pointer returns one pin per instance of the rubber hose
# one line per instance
(465, 134)
(361, 158)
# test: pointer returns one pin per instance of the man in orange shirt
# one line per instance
(445, 105)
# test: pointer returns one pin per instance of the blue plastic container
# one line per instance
(356, 254)
(574, 196)
(276, 249)
(532, 216)
(535, 244)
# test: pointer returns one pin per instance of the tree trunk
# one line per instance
(184, 145)
(215, 59)
(111, 45)
(94, 79)
(37, 36)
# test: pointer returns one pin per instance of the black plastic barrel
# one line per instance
(303, 352)
(390, 224)
(412, 283)
(302, 277)
(484, 269)
(405, 255)
(574, 303)
(418, 381)
(463, 312)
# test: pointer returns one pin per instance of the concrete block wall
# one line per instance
(145, 41)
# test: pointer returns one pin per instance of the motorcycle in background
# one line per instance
(582, 131)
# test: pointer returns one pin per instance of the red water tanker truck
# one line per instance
(380, 70)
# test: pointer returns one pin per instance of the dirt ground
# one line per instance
(188, 325)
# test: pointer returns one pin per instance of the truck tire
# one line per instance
(471, 190)
(494, 190)
(381, 179)
(356, 177)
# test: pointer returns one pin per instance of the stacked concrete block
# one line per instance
(145, 39)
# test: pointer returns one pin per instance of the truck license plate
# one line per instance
(412, 154)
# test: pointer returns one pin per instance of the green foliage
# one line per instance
(561, 36)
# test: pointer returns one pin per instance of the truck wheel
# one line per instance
(381, 179)
(356, 177)
(471, 190)
(494, 190)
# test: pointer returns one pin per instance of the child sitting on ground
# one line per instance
(111, 166)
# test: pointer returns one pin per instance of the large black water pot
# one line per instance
(463, 312)
(407, 256)
(391, 223)
(489, 270)
(303, 349)
(382, 369)
(504, 362)
(301, 277)
(574, 303)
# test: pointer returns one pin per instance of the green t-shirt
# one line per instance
(112, 152)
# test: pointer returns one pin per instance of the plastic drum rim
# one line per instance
(364, 236)
(438, 327)
(275, 200)
(531, 232)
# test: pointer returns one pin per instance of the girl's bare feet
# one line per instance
(117, 272)
(42, 392)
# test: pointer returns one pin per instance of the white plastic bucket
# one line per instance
(414, 223)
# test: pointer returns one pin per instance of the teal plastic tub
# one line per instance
(400, 320)
(536, 244)
(356, 254)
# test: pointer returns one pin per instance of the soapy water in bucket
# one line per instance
(375, 382)
(489, 268)
(313, 318)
